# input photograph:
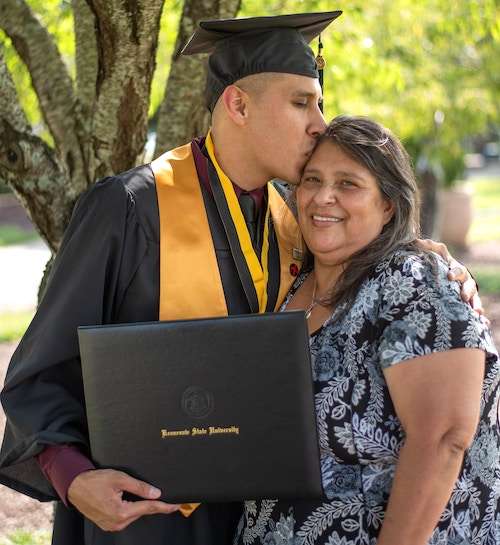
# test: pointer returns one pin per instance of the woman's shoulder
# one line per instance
(407, 262)
(408, 275)
(416, 296)
(409, 272)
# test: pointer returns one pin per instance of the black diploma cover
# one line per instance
(218, 409)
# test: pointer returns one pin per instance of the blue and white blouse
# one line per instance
(406, 309)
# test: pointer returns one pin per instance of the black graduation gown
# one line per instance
(106, 271)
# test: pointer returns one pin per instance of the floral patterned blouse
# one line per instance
(406, 309)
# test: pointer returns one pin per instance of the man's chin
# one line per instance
(288, 178)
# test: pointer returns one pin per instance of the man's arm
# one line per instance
(458, 272)
(97, 494)
(60, 464)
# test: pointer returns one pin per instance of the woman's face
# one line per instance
(340, 206)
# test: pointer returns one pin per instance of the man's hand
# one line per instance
(468, 287)
(97, 494)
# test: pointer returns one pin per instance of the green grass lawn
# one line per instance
(486, 199)
(27, 538)
(11, 234)
(488, 278)
(13, 325)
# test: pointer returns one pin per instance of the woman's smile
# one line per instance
(324, 220)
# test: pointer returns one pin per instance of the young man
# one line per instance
(187, 236)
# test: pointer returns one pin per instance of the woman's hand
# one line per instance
(458, 272)
(437, 399)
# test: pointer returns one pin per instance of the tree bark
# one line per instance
(99, 128)
(182, 112)
(85, 55)
(10, 108)
(127, 38)
(86, 73)
(99, 125)
(52, 85)
(30, 167)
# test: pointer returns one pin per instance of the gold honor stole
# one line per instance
(190, 282)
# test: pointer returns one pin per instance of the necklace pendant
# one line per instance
(309, 310)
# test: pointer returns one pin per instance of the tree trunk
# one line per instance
(86, 74)
(99, 122)
(428, 202)
(99, 127)
(52, 84)
(127, 38)
(183, 113)
(32, 169)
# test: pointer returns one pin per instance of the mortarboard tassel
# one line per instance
(320, 63)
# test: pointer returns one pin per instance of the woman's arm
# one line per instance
(437, 399)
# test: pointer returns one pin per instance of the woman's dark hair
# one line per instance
(378, 150)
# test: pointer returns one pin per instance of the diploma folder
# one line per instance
(207, 410)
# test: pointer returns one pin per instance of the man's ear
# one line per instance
(235, 102)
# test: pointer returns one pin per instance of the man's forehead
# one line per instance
(302, 86)
(282, 84)
(307, 93)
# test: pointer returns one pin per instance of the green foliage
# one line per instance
(57, 16)
(398, 61)
(401, 61)
(166, 42)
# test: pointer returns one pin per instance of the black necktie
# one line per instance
(248, 209)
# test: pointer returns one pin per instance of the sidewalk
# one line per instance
(16, 510)
(21, 270)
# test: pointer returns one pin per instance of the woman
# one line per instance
(406, 375)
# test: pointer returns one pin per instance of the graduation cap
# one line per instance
(247, 46)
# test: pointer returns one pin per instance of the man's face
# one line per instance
(284, 122)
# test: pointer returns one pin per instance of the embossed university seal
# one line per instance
(197, 402)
